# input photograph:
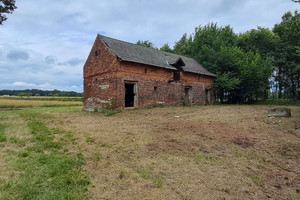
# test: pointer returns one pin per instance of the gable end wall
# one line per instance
(100, 69)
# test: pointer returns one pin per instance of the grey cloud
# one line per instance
(18, 55)
(50, 60)
(75, 61)
(72, 62)
(227, 5)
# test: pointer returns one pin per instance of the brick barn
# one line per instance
(128, 75)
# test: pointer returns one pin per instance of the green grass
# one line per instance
(205, 157)
(46, 171)
(2, 134)
(17, 141)
(109, 112)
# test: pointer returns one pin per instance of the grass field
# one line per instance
(198, 152)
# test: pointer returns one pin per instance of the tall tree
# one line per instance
(268, 44)
(208, 41)
(6, 6)
(241, 75)
(288, 57)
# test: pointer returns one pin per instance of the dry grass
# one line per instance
(12, 103)
(207, 152)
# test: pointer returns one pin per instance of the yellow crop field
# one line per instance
(12, 103)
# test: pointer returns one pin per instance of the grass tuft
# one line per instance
(109, 112)
(159, 182)
(202, 156)
(257, 179)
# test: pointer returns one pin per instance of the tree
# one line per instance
(166, 48)
(241, 76)
(146, 43)
(288, 57)
(208, 41)
(6, 6)
(268, 45)
(184, 46)
(261, 39)
(296, 1)
(254, 73)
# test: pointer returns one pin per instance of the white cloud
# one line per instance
(23, 84)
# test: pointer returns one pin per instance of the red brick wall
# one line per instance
(167, 91)
(99, 72)
(105, 76)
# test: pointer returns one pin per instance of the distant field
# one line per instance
(186, 153)
(42, 98)
(6, 103)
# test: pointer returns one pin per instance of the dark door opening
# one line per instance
(207, 93)
(188, 95)
(130, 94)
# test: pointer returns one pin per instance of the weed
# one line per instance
(159, 182)
(146, 174)
(122, 174)
(97, 156)
(90, 139)
(257, 179)
(202, 156)
(103, 144)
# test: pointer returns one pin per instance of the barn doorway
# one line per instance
(188, 96)
(130, 95)
(207, 94)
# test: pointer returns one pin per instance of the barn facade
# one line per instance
(127, 75)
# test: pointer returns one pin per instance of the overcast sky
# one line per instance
(44, 44)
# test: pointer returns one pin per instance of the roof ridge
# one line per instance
(140, 46)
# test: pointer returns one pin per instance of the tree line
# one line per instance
(257, 64)
(36, 92)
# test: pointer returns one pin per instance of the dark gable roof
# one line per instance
(139, 54)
